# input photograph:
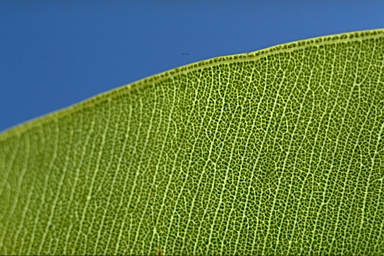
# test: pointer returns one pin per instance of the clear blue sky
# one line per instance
(56, 53)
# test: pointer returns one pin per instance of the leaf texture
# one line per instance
(279, 151)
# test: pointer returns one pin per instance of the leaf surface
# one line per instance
(279, 151)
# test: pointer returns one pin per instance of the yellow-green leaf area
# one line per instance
(279, 151)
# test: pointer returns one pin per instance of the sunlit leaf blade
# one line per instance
(279, 151)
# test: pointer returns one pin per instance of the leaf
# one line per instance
(279, 151)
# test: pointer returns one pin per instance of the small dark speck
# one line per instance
(185, 53)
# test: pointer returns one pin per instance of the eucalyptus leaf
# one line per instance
(278, 151)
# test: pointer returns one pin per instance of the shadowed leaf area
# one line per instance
(279, 151)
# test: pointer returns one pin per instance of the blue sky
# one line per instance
(56, 53)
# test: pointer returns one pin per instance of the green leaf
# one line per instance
(279, 151)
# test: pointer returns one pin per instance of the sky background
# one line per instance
(56, 53)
